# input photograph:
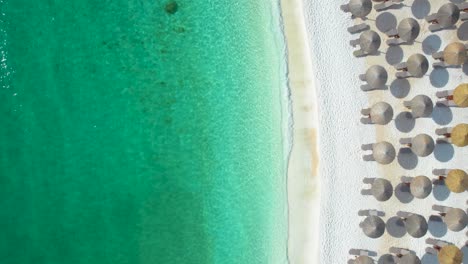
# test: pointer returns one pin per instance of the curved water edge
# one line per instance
(303, 166)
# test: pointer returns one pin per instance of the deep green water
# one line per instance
(129, 135)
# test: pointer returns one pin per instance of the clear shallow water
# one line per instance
(133, 136)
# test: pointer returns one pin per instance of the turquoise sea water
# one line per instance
(129, 135)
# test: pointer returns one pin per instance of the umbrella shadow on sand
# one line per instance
(440, 191)
(443, 152)
(436, 226)
(394, 55)
(400, 88)
(407, 159)
(439, 77)
(463, 31)
(404, 122)
(465, 68)
(429, 259)
(442, 114)
(385, 22)
(431, 44)
(464, 249)
(421, 8)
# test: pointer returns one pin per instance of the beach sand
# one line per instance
(340, 100)
(303, 177)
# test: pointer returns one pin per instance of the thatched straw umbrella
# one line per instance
(383, 152)
(460, 95)
(450, 254)
(459, 135)
(416, 66)
(376, 77)
(382, 189)
(455, 53)
(380, 113)
(457, 181)
(455, 219)
(373, 226)
(421, 106)
(369, 42)
(447, 15)
(422, 145)
(358, 8)
(420, 187)
(407, 31)
(416, 225)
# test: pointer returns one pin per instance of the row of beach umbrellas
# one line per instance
(421, 145)
(374, 226)
(362, 8)
(415, 225)
(417, 65)
(446, 254)
(387, 259)
(420, 186)
(446, 17)
(381, 113)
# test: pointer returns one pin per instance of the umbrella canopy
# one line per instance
(457, 181)
(460, 95)
(450, 255)
(381, 113)
(387, 259)
(422, 145)
(455, 53)
(373, 226)
(459, 135)
(369, 41)
(456, 219)
(383, 152)
(363, 260)
(376, 76)
(417, 65)
(408, 29)
(448, 15)
(420, 187)
(360, 8)
(382, 189)
(409, 259)
(416, 225)
(421, 106)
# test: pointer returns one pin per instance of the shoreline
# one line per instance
(302, 176)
